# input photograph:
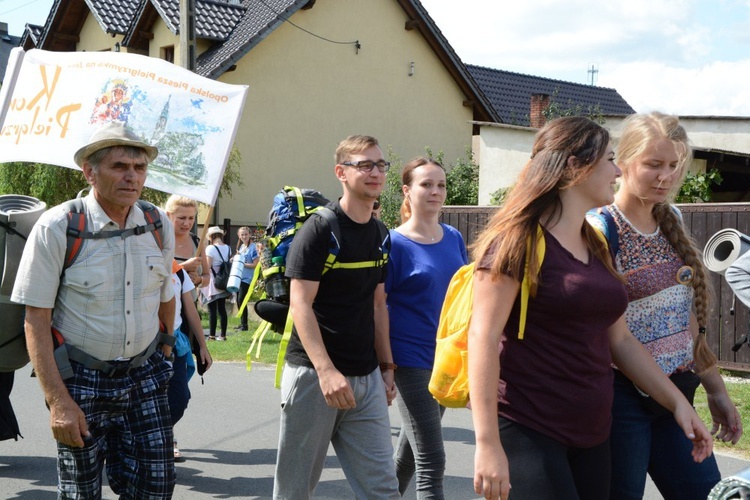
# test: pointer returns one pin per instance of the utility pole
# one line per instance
(187, 60)
(187, 34)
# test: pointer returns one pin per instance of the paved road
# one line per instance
(228, 435)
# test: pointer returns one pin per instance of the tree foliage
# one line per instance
(49, 183)
(462, 179)
(557, 109)
(498, 197)
(392, 196)
(697, 187)
(54, 185)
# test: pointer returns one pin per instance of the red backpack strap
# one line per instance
(153, 221)
(76, 228)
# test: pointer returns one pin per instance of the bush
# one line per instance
(462, 179)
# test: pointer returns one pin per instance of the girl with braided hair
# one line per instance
(541, 380)
(668, 299)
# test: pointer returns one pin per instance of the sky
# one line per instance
(16, 13)
(687, 57)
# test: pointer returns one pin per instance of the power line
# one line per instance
(286, 19)
(19, 7)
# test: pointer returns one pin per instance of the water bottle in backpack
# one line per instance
(277, 286)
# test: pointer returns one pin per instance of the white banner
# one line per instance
(52, 102)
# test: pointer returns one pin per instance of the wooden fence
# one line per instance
(729, 319)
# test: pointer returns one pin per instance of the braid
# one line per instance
(672, 228)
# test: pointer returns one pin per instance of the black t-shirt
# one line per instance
(344, 305)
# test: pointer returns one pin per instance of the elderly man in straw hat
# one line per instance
(104, 365)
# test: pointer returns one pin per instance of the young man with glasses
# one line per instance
(338, 378)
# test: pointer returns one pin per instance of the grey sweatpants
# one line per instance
(361, 437)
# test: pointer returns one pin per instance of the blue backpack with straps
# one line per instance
(291, 208)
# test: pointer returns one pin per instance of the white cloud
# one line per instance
(713, 89)
(673, 55)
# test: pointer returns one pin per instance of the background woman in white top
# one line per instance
(216, 298)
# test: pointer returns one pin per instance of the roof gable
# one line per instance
(510, 94)
(260, 18)
(63, 25)
(213, 20)
(114, 16)
(32, 33)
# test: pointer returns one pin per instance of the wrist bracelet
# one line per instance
(388, 366)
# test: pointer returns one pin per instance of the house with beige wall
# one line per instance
(317, 71)
(523, 103)
(721, 142)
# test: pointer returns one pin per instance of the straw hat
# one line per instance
(214, 230)
(114, 133)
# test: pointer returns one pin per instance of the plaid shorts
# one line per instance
(131, 430)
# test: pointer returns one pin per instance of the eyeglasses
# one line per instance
(366, 166)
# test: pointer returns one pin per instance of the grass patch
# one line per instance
(237, 343)
(740, 394)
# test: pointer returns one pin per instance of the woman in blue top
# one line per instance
(247, 252)
(424, 256)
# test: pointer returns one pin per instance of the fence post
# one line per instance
(227, 227)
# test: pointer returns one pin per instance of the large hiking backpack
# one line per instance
(18, 214)
(291, 208)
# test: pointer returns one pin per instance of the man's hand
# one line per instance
(167, 350)
(390, 385)
(336, 389)
(68, 423)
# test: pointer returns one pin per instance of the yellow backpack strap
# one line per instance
(541, 246)
(526, 284)
(358, 265)
(384, 236)
(256, 274)
(258, 336)
(282, 348)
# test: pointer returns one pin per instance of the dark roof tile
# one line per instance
(114, 16)
(213, 20)
(510, 94)
(259, 19)
(32, 31)
(8, 42)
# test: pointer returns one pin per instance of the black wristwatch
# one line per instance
(170, 358)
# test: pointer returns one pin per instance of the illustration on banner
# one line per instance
(178, 136)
